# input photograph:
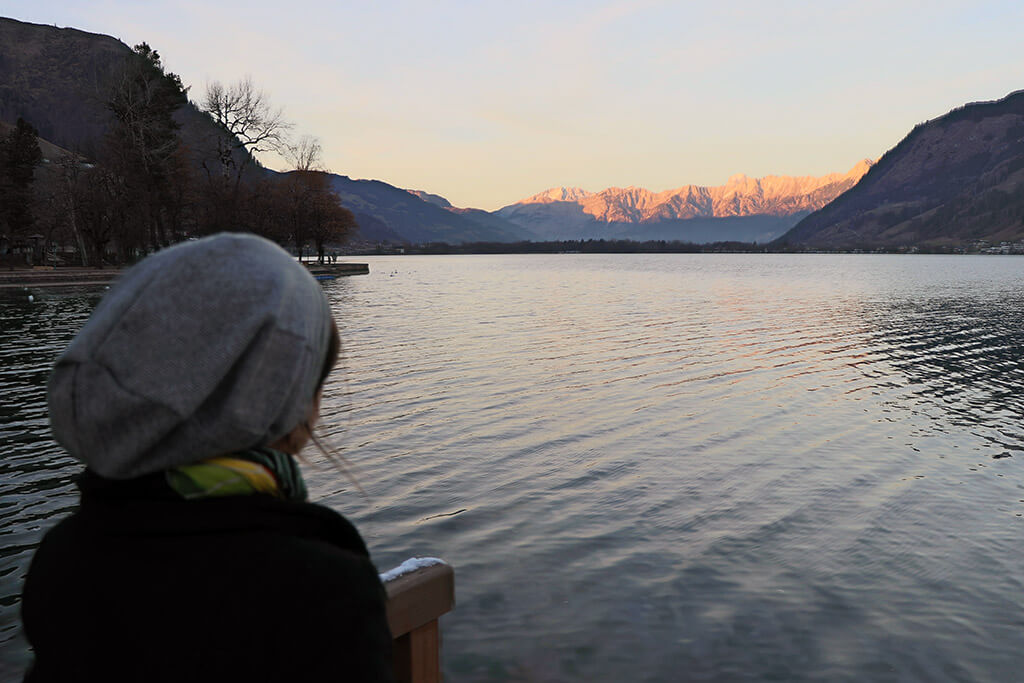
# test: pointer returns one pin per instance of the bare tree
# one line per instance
(70, 167)
(249, 125)
(244, 113)
(305, 154)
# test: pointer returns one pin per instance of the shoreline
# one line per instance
(29, 278)
(62, 277)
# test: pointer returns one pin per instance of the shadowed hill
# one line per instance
(954, 179)
(55, 78)
(417, 220)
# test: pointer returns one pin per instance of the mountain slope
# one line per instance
(573, 212)
(953, 179)
(59, 80)
(51, 152)
(55, 78)
(501, 229)
(435, 199)
(406, 215)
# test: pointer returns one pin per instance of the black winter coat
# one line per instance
(140, 585)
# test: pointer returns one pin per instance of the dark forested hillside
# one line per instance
(60, 80)
(953, 180)
(104, 158)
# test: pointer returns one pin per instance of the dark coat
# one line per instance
(141, 585)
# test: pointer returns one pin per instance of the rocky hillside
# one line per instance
(58, 80)
(952, 180)
(574, 212)
(54, 78)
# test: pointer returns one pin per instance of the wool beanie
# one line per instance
(204, 348)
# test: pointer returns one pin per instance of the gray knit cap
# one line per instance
(204, 348)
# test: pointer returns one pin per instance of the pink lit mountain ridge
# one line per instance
(744, 208)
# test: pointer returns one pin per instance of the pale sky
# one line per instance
(486, 103)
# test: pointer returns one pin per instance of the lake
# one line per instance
(652, 467)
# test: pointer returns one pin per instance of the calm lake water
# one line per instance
(664, 468)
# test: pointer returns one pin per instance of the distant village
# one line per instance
(983, 247)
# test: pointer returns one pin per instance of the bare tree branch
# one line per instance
(244, 112)
(305, 154)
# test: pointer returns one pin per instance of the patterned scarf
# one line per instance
(260, 470)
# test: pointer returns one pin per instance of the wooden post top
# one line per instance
(419, 596)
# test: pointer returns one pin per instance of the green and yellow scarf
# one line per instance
(260, 470)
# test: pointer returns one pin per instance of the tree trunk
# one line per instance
(80, 241)
(161, 229)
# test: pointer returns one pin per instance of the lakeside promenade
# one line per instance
(31, 278)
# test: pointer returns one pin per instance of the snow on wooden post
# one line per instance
(419, 591)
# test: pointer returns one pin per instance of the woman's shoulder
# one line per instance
(294, 577)
(147, 507)
(209, 547)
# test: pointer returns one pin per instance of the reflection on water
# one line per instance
(682, 467)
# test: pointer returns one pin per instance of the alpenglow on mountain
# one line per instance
(778, 202)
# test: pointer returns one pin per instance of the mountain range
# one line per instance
(768, 205)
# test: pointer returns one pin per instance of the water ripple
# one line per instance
(685, 467)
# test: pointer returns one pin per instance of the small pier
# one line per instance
(330, 271)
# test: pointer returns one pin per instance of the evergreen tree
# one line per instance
(143, 148)
(19, 156)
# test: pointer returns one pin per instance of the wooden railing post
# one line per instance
(419, 592)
